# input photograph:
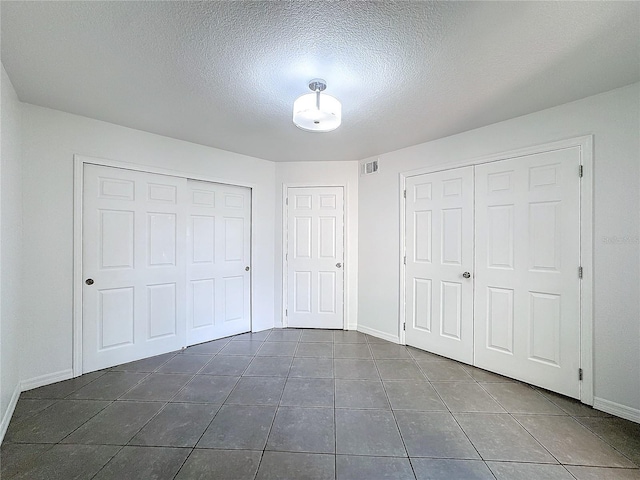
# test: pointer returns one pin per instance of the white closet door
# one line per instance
(527, 311)
(439, 250)
(315, 246)
(218, 261)
(133, 265)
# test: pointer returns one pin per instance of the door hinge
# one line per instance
(579, 374)
(404, 326)
(405, 194)
(286, 313)
(405, 259)
(579, 272)
(580, 171)
(286, 201)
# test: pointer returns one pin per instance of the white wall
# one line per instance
(322, 174)
(614, 120)
(10, 250)
(51, 138)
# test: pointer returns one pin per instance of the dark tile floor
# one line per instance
(309, 404)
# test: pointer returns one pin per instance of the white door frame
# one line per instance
(285, 247)
(585, 144)
(79, 162)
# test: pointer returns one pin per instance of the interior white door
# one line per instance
(527, 310)
(315, 257)
(439, 250)
(133, 265)
(218, 261)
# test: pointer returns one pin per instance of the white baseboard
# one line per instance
(377, 333)
(47, 379)
(6, 418)
(617, 409)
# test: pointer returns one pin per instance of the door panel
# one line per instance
(439, 300)
(315, 246)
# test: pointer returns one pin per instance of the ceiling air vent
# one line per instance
(369, 168)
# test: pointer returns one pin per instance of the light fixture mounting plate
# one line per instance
(317, 85)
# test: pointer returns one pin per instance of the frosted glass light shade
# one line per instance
(307, 115)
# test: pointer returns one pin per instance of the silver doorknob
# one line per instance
(466, 275)
(246, 269)
(339, 265)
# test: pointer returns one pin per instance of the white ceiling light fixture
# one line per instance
(317, 113)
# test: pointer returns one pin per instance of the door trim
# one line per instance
(285, 247)
(79, 162)
(585, 144)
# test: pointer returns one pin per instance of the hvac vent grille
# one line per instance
(369, 168)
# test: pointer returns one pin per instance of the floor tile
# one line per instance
(445, 372)
(360, 394)
(27, 407)
(312, 368)
(317, 336)
(449, 469)
(231, 365)
(389, 351)
(622, 434)
(64, 388)
(308, 392)
(241, 348)
(206, 389)
(109, 386)
(257, 391)
(368, 432)
(434, 434)
(116, 424)
(239, 427)
(572, 406)
(160, 387)
(570, 442)
(56, 422)
(413, 395)
(296, 466)
(599, 473)
(467, 397)
(252, 336)
(284, 335)
(185, 364)
(371, 339)
(17, 458)
(521, 398)
(424, 356)
(220, 464)
(177, 425)
(351, 467)
(269, 367)
(351, 336)
(277, 349)
(480, 375)
(323, 350)
(146, 365)
(67, 462)
(146, 462)
(529, 471)
(355, 368)
(399, 370)
(208, 348)
(297, 429)
(499, 437)
(352, 350)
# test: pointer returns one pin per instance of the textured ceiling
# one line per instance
(225, 74)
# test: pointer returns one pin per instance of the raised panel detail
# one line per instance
(233, 298)
(500, 319)
(327, 233)
(116, 189)
(162, 193)
(302, 292)
(203, 302)
(302, 202)
(544, 236)
(327, 202)
(116, 239)
(233, 201)
(162, 239)
(422, 304)
(203, 237)
(544, 328)
(452, 188)
(203, 198)
(422, 191)
(115, 318)
(233, 239)
(422, 243)
(162, 310)
(450, 309)
(326, 292)
(302, 237)
(544, 176)
(451, 236)
(499, 182)
(500, 236)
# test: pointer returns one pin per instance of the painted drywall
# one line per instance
(614, 120)
(295, 174)
(51, 138)
(10, 249)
